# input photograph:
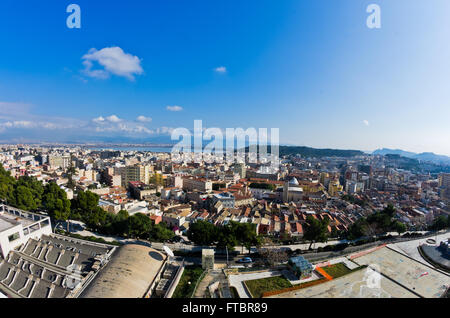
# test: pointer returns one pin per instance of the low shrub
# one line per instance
(295, 287)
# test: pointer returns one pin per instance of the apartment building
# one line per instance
(136, 172)
(191, 184)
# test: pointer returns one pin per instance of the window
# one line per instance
(14, 237)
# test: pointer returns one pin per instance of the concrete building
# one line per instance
(334, 187)
(207, 258)
(292, 192)
(444, 185)
(133, 272)
(56, 161)
(112, 180)
(227, 199)
(135, 173)
(240, 169)
(140, 190)
(17, 227)
(38, 264)
(191, 184)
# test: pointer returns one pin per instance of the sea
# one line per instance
(131, 148)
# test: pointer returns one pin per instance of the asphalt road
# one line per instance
(218, 259)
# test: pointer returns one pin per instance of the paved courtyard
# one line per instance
(354, 285)
(410, 247)
(420, 278)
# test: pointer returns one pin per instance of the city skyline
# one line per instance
(317, 73)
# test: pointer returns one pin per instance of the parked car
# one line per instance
(245, 260)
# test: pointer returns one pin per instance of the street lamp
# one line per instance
(226, 248)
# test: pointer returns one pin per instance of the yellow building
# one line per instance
(334, 187)
(157, 178)
(135, 173)
(323, 177)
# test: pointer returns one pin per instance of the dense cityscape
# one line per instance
(224, 157)
(310, 208)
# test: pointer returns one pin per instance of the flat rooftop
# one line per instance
(8, 221)
(10, 217)
(6, 224)
(129, 274)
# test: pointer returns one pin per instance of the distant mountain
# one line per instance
(308, 152)
(425, 156)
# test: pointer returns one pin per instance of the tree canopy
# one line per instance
(377, 223)
(316, 230)
(228, 235)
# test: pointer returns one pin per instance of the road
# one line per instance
(218, 259)
(78, 227)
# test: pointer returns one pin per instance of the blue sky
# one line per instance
(311, 68)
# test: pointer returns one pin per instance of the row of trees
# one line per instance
(375, 224)
(229, 235)
(264, 186)
(86, 209)
(440, 223)
(28, 193)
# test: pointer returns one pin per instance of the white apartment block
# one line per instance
(17, 226)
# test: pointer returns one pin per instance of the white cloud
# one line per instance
(15, 119)
(23, 124)
(174, 108)
(144, 119)
(26, 124)
(114, 61)
(220, 69)
(164, 130)
(113, 119)
(98, 120)
(366, 122)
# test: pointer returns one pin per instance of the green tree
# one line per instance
(399, 227)
(34, 186)
(226, 237)
(161, 233)
(266, 186)
(24, 199)
(7, 186)
(85, 202)
(55, 202)
(85, 207)
(202, 233)
(139, 226)
(439, 223)
(246, 234)
(357, 229)
(120, 224)
(70, 172)
(316, 231)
